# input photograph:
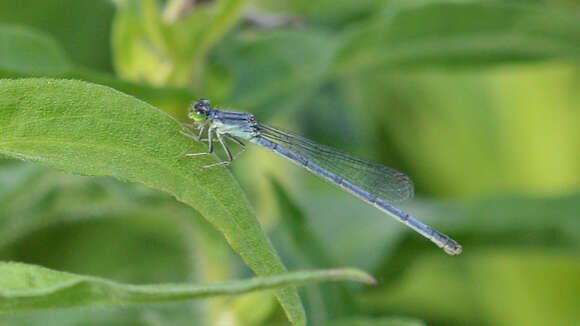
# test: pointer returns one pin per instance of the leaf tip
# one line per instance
(356, 275)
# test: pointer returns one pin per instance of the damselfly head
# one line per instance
(200, 110)
(202, 104)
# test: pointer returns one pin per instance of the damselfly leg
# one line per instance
(210, 140)
(199, 138)
(239, 142)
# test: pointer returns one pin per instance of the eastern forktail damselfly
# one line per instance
(374, 183)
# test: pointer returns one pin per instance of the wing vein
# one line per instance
(384, 182)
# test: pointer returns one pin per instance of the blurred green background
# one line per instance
(479, 102)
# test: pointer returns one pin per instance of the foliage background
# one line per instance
(477, 101)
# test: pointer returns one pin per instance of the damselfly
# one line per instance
(374, 183)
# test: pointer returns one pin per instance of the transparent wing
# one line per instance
(386, 183)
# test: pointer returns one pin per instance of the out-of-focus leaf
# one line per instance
(305, 250)
(300, 231)
(444, 33)
(384, 321)
(129, 246)
(496, 286)
(140, 48)
(31, 199)
(28, 287)
(253, 309)
(275, 71)
(512, 245)
(131, 234)
(214, 261)
(26, 52)
(211, 31)
(93, 130)
(29, 51)
(494, 223)
(96, 217)
(179, 313)
(479, 135)
(83, 27)
(327, 12)
(357, 234)
(150, 49)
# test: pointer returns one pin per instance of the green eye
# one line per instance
(197, 115)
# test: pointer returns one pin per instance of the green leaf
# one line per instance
(173, 100)
(444, 33)
(93, 130)
(28, 287)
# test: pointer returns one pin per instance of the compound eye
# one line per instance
(197, 114)
(202, 103)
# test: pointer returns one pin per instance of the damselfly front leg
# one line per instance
(231, 157)
(228, 153)
(188, 125)
(210, 139)
(202, 131)
(199, 138)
